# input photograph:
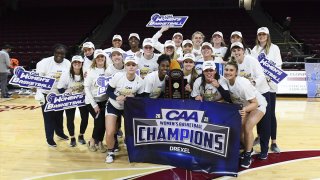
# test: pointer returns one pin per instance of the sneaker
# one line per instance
(263, 156)
(91, 147)
(73, 142)
(246, 161)
(256, 141)
(120, 133)
(51, 143)
(81, 140)
(101, 147)
(110, 157)
(242, 154)
(63, 137)
(275, 148)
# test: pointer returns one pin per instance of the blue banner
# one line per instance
(194, 135)
(313, 79)
(30, 79)
(219, 68)
(58, 102)
(158, 21)
(270, 70)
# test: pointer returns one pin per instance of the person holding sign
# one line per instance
(155, 81)
(250, 68)
(122, 85)
(219, 49)
(72, 82)
(254, 106)
(272, 53)
(52, 67)
(95, 102)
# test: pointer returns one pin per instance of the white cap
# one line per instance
(87, 45)
(207, 44)
(237, 44)
(189, 56)
(208, 65)
(130, 59)
(263, 30)
(77, 58)
(134, 35)
(117, 36)
(187, 41)
(147, 41)
(217, 33)
(117, 50)
(98, 52)
(169, 43)
(236, 33)
(177, 34)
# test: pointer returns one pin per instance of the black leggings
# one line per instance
(273, 116)
(84, 113)
(99, 126)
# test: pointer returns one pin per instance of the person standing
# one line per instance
(4, 69)
(52, 67)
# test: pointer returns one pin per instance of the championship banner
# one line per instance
(194, 135)
(30, 79)
(158, 21)
(270, 70)
(58, 102)
(102, 83)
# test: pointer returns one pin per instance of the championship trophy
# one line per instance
(175, 85)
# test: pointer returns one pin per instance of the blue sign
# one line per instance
(219, 68)
(58, 102)
(158, 21)
(102, 83)
(313, 79)
(194, 135)
(270, 70)
(30, 79)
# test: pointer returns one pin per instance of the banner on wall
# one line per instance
(294, 83)
(197, 136)
(313, 79)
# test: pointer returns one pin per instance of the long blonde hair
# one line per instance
(94, 63)
(268, 45)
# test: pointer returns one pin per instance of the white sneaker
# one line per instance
(110, 157)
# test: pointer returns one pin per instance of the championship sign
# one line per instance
(30, 79)
(270, 70)
(194, 135)
(158, 21)
(58, 102)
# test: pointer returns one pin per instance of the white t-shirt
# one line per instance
(153, 85)
(69, 84)
(274, 57)
(210, 93)
(242, 91)
(197, 53)
(111, 70)
(130, 53)
(49, 68)
(91, 87)
(251, 69)
(86, 65)
(125, 87)
(147, 66)
(219, 53)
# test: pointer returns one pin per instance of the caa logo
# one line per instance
(182, 115)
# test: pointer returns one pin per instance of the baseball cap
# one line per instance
(187, 41)
(117, 36)
(238, 33)
(189, 56)
(87, 45)
(77, 58)
(208, 65)
(207, 44)
(237, 44)
(177, 34)
(263, 30)
(169, 43)
(117, 50)
(147, 41)
(134, 35)
(217, 33)
(130, 59)
(98, 52)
